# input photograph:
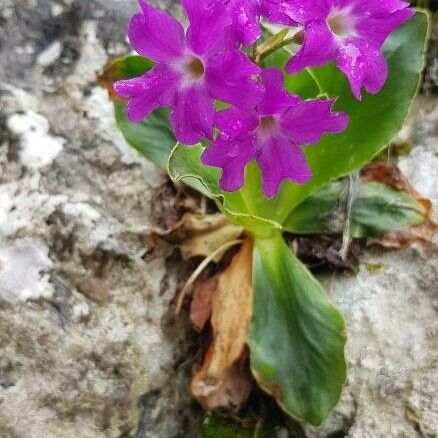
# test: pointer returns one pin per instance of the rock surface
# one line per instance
(88, 346)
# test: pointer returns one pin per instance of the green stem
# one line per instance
(297, 39)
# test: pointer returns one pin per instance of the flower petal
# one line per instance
(246, 21)
(229, 77)
(232, 156)
(147, 37)
(377, 72)
(379, 7)
(280, 160)
(193, 115)
(304, 11)
(154, 89)
(275, 99)
(363, 65)
(305, 122)
(318, 48)
(377, 28)
(235, 122)
(208, 19)
(275, 11)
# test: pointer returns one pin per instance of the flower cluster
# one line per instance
(211, 62)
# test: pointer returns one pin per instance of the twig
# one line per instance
(199, 270)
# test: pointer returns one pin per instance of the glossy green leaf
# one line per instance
(185, 165)
(297, 336)
(153, 137)
(377, 209)
(126, 67)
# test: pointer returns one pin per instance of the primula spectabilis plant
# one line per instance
(263, 123)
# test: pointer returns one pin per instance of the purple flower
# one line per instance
(272, 135)
(193, 68)
(246, 15)
(349, 32)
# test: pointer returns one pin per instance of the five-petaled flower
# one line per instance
(272, 135)
(349, 32)
(193, 69)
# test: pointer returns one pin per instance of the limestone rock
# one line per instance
(88, 345)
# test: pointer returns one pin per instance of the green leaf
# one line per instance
(185, 165)
(374, 121)
(297, 336)
(126, 67)
(153, 138)
(378, 209)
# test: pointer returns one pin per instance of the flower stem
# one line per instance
(275, 43)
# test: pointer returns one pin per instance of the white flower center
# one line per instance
(267, 123)
(341, 23)
(191, 68)
(267, 128)
(194, 68)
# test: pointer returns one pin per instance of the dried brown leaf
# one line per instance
(106, 80)
(201, 306)
(404, 238)
(223, 381)
(199, 235)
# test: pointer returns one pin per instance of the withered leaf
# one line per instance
(223, 381)
(199, 235)
(404, 238)
(201, 306)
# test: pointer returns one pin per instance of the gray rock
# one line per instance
(88, 343)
